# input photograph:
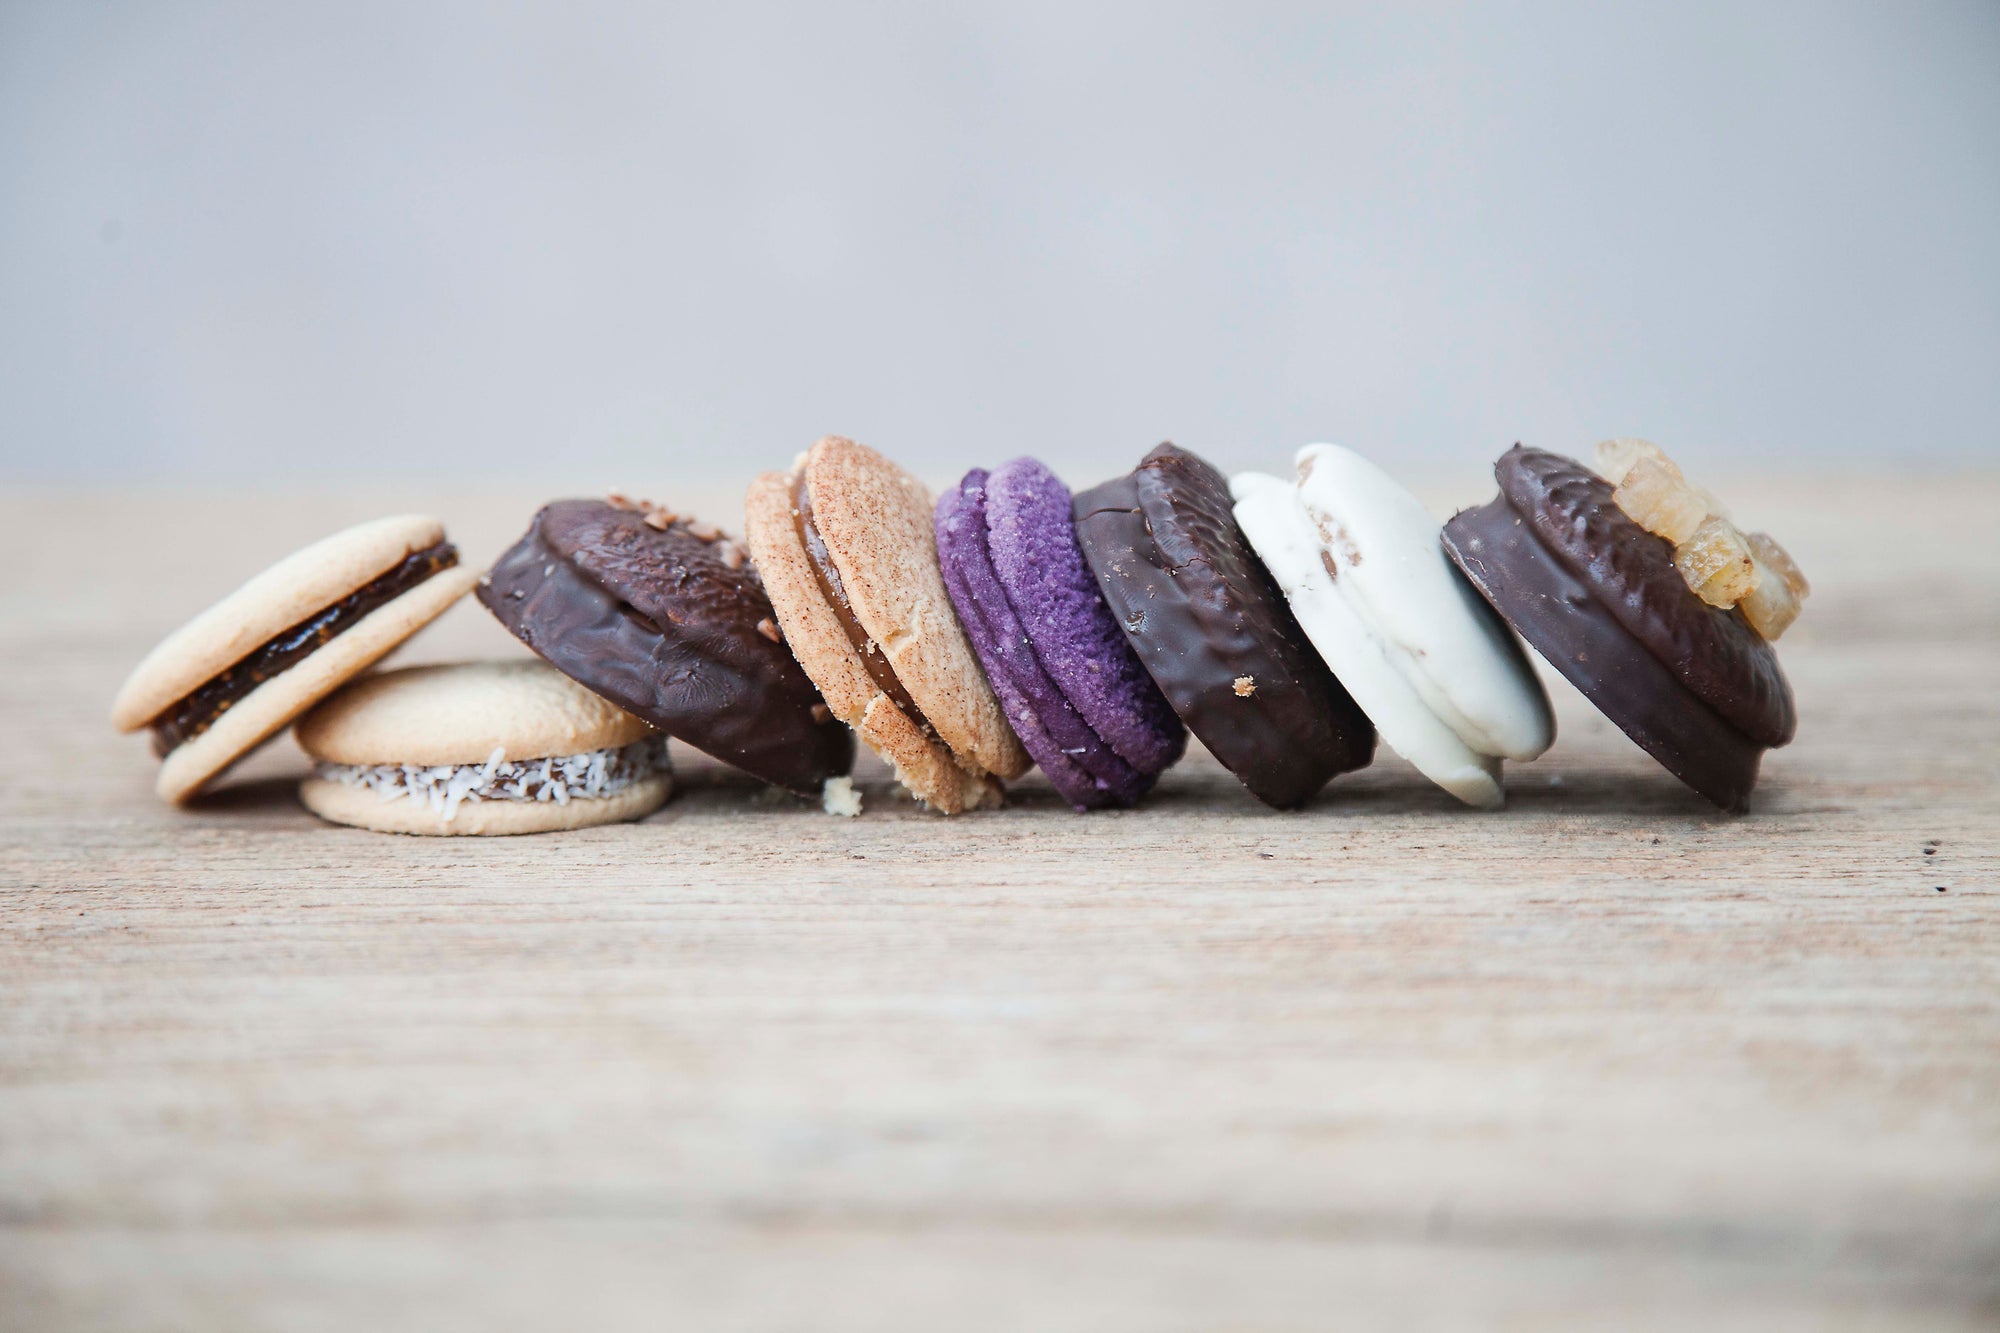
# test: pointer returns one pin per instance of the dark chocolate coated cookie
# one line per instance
(1214, 631)
(670, 623)
(1713, 651)
(1598, 596)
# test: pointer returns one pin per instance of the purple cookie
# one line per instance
(1083, 769)
(1075, 636)
(1082, 704)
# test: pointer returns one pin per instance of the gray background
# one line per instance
(643, 243)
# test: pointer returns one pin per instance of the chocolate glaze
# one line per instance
(1712, 651)
(662, 625)
(827, 576)
(1560, 615)
(199, 709)
(1203, 613)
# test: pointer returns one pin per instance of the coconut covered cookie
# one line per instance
(479, 748)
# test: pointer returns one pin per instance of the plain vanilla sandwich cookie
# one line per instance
(238, 673)
(1443, 678)
(1637, 588)
(849, 556)
(1213, 630)
(662, 615)
(1075, 691)
(479, 748)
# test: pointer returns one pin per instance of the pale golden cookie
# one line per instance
(479, 748)
(949, 779)
(459, 713)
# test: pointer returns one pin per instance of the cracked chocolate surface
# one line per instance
(663, 623)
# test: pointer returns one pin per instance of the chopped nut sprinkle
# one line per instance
(1245, 686)
(769, 629)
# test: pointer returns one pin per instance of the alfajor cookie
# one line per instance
(1213, 630)
(663, 615)
(1071, 684)
(479, 748)
(1440, 674)
(1648, 600)
(238, 673)
(848, 553)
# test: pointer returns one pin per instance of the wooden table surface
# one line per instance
(1604, 1059)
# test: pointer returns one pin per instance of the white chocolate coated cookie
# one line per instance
(1359, 560)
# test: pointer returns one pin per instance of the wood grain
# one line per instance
(1604, 1059)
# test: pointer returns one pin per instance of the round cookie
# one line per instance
(1077, 762)
(1038, 561)
(848, 553)
(479, 748)
(876, 520)
(1213, 630)
(1358, 558)
(1081, 703)
(239, 672)
(664, 617)
(1599, 597)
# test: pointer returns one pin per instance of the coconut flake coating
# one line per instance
(1712, 651)
(561, 778)
(1032, 536)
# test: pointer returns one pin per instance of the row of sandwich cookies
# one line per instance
(1285, 622)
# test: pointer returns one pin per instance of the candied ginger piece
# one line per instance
(1771, 606)
(1716, 562)
(1616, 457)
(1779, 561)
(1655, 497)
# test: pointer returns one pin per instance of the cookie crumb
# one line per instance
(769, 629)
(1245, 686)
(838, 797)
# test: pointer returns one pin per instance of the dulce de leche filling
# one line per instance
(198, 710)
(872, 657)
